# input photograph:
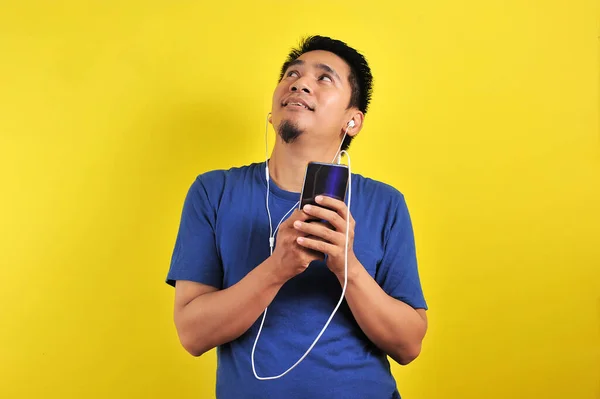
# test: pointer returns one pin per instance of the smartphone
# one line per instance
(325, 179)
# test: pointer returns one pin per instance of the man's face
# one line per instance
(313, 96)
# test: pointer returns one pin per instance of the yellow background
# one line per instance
(485, 114)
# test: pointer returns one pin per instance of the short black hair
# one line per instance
(360, 79)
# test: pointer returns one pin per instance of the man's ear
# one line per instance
(358, 118)
(270, 118)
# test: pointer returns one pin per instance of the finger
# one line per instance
(338, 206)
(332, 203)
(320, 246)
(320, 230)
(298, 215)
(332, 217)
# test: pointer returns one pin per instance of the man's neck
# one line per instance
(287, 164)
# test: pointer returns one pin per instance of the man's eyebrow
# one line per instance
(329, 69)
(322, 66)
(295, 62)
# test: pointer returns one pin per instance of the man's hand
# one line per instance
(290, 258)
(327, 240)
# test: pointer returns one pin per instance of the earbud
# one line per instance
(351, 123)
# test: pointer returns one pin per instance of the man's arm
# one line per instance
(206, 317)
(395, 327)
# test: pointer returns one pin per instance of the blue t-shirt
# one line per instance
(224, 234)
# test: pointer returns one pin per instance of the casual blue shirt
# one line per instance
(224, 234)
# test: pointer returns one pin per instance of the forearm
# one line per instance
(221, 316)
(395, 327)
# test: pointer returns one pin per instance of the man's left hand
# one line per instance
(331, 242)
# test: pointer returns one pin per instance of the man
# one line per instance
(225, 275)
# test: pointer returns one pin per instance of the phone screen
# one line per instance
(324, 179)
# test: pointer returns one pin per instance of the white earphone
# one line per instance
(272, 233)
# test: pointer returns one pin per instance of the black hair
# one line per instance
(360, 78)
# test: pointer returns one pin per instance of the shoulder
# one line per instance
(211, 186)
(377, 192)
(217, 180)
(380, 206)
(218, 177)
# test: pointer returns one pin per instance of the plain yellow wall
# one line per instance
(485, 114)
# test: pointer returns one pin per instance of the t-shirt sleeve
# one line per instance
(398, 273)
(195, 256)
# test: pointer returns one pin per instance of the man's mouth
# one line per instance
(297, 103)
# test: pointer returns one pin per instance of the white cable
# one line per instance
(271, 243)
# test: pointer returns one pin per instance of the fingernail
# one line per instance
(300, 239)
(297, 223)
(307, 207)
(319, 198)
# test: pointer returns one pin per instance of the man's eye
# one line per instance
(292, 74)
(326, 77)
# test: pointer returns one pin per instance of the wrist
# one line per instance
(273, 272)
(354, 268)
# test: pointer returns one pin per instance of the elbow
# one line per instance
(195, 351)
(192, 344)
(192, 347)
(410, 349)
(407, 355)
(190, 336)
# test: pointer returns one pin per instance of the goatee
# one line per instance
(289, 131)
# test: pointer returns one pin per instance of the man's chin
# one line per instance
(289, 130)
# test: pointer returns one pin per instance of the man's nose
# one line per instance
(300, 85)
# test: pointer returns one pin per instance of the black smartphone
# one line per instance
(325, 179)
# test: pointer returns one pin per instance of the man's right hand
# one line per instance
(290, 257)
(207, 317)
